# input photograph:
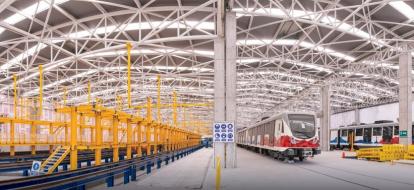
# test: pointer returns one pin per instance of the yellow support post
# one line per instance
(12, 149)
(174, 109)
(98, 138)
(156, 133)
(81, 130)
(51, 132)
(139, 147)
(173, 135)
(129, 139)
(128, 45)
(15, 100)
(159, 98)
(40, 109)
(89, 92)
(115, 125)
(33, 138)
(148, 126)
(148, 138)
(73, 139)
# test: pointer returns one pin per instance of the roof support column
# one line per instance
(405, 97)
(219, 92)
(225, 53)
(326, 118)
(357, 117)
(231, 80)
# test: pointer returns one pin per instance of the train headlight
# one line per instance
(292, 140)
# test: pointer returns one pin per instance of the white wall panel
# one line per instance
(367, 115)
(342, 119)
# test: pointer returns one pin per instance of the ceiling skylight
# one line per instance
(312, 16)
(30, 11)
(303, 44)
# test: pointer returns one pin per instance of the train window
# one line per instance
(283, 129)
(396, 130)
(358, 132)
(367, 131)
(387, 131)
(344, 133)
(377, 131)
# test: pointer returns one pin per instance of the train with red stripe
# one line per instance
(366, 135)
(284, 136)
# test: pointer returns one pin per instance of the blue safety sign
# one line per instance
(223, 132)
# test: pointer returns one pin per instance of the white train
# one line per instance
(284, 136)
(368, 135)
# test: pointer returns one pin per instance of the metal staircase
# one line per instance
(51, 163)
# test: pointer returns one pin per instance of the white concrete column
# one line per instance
(219, 91)
(326, 118)
(357, 117)
(231, 82)
(405, 96)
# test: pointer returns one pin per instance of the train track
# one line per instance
(83, 176)
(26, 165)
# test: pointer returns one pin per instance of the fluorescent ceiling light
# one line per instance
(30, 11)
(291, 42)
(403, 8)
(143, 26)
(246, 60)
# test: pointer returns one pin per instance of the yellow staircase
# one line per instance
(51, 163)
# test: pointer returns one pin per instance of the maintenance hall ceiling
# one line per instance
(287, 50)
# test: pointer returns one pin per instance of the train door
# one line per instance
(351, 138)
(377, 134)
(387, 135)
(367, 135)
(359, 136)
(278, 132)
(338, 145)
(344, 138)
(396, 135)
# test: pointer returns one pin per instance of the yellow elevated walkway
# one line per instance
(51, 163)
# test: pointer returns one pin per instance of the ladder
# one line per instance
(53, 161)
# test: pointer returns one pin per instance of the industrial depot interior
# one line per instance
(206, 94)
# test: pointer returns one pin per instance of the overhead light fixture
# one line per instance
(403, 8)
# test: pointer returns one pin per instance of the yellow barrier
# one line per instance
(409, 155)
(218, 173)
(385, 153)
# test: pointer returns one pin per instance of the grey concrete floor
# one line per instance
(188, 172)
(326, 171)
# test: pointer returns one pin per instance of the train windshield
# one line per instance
(302, 126)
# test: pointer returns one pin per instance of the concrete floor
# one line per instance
(326, 171)
(186, 173)
(257, 172)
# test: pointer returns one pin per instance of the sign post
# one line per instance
(223, 132)
(35, 168)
